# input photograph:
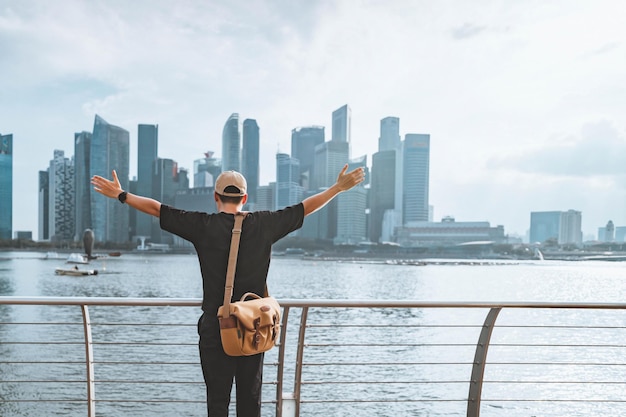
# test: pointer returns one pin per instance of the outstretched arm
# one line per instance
(113, 189)
(344, 182)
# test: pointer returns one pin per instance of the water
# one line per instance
(27, 274)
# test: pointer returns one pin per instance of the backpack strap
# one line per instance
(232, 259)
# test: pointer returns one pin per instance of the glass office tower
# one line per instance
(303, 143)
(62, 226)
(288, 191)
(250, 158)
(109, 151)
(82, 183)
(147, 151)
(231, 140)
(415, 178)
(342, 124)
(6, 187)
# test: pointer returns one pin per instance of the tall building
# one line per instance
(342, 124)
(266, 199)
(288, 190)
(387, 188)
(571, 228)
(558, 226)
(82, 184)
(6, 186)
(206, 170)
(168, 181)
(609, 232)
(303, 143)
(415, 178)
(147, 155)
(389, 134)
(382, 191)
(44, 206)
(315, 226)
(544, 225)
(109, 151)
(351, 206)
(196, 199)
(231, 144)
(250, 158)
(330, 157)
(61, 198)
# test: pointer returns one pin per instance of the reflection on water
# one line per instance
(27, 274)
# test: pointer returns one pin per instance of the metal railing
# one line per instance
(132, 356)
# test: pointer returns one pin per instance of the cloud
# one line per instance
(599, 149)
(467, 30)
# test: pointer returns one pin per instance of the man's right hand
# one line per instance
(345, 181)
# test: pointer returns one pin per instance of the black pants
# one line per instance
(219, 369)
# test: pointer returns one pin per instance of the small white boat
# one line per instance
(51, 255)
(75, 272)
(77, 258)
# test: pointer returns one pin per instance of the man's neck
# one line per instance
(229, 208)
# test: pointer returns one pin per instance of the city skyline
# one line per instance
(524, 109)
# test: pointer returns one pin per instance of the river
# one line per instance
(178, 276)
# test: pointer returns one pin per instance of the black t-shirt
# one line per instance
(211, 235)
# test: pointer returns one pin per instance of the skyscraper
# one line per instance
(44, 206)
(415, 181)
(231, 144)
(265, 197)
(82, 184)
(351, 205)
(544, 225)
(61, 198)
(571, 228)
(250, 158)
(386, 188)
(206, 170)
(303, 143)
(342, 124)
(389, 134)
(330, 157)
(608, 232)
(563, 227)
(168, 180)
(109, 151)
(288, 191)
(147, 155)
(382, 190)
(6, 186)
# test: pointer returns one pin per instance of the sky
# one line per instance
(524, 101)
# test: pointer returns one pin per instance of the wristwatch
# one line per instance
(122, 197)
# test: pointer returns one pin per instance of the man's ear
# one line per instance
(244, 199)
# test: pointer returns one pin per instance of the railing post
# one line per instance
(480, 358)
(281, 363)
(91, 385)
(299, 360)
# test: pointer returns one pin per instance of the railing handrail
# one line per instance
(191, 302)
(478, 365)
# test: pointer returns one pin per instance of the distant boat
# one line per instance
(75, 272)
(77, 258)
(295, 251)
(51, 255)
(115, 254)
(88, 239)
